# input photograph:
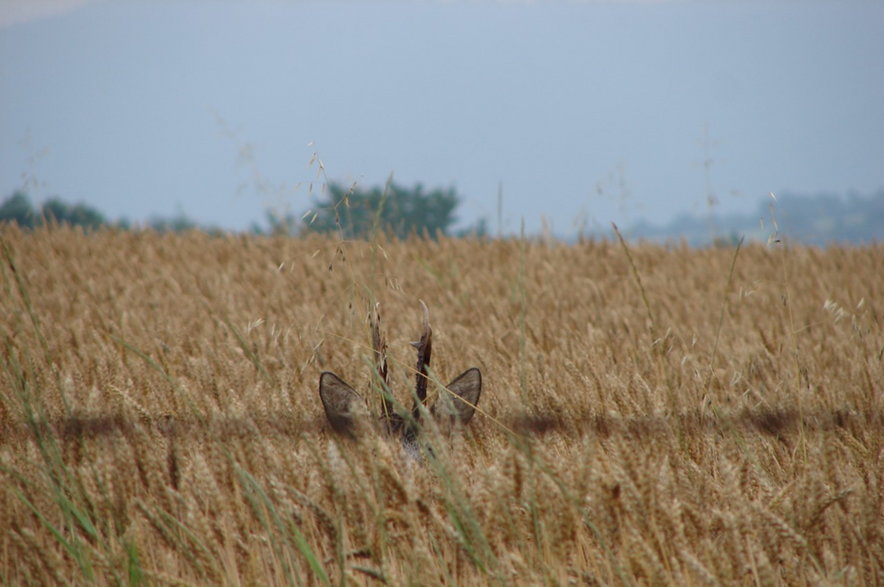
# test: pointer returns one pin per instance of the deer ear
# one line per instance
(460, 404)
(344, 407)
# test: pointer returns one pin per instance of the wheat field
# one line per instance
(650, 414)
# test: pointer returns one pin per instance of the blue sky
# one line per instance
(584, 112)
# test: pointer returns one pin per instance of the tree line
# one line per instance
(398, 211)
(351, 212)
(818, 219)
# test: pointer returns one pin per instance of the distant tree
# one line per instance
(477, 230)
(281, 223)
(55, 210)
(824, 218)
(396, 210)
(178, 223)
(18, 208)
(813, 219)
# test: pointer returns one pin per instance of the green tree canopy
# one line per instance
(396, 210)
(18, 208)
(55, 210)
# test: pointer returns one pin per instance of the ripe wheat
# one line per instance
(718, 420)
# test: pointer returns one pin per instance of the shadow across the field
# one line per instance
(774, 422)
(164, 425)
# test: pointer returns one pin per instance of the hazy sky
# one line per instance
(582, 111)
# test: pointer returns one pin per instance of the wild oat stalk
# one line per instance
(637, 276)
(721, 312)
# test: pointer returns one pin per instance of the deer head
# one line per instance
(455, 405)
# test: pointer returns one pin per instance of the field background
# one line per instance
(650, 414)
